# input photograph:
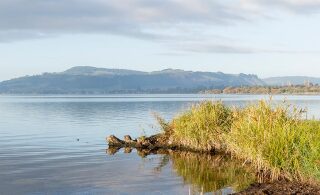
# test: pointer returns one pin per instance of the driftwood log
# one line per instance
(144, 145)
(152, 142)
(148, 144)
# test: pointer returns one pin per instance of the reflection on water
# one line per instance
(203, 173)
(56, 145)
(209, 173)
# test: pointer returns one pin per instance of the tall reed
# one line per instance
(273, 138)
(203, 126)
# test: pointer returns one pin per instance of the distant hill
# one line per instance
(293, 80)
(91, 80)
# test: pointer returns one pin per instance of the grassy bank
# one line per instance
(273, 138)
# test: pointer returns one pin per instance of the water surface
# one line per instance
(56, 145)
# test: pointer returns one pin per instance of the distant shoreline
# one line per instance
(309, 89)
(207, 92)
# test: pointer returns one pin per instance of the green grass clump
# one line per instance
(273, 138)
(276, 140)
(203, 126)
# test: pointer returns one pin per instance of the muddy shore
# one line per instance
(160, 144)
(281, 188)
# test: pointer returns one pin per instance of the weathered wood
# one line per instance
(148, 144)
(114, 141)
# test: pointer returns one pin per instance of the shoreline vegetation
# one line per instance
(307, 89)
(274, 139)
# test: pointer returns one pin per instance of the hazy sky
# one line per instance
(264, 37)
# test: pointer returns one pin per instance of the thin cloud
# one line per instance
(217, 48)
(127, 17)
(168, 21)
(301, 7)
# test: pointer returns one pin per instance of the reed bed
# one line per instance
(274, 138)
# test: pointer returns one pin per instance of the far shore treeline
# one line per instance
(288, 89)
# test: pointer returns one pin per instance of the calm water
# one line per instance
(56, 145)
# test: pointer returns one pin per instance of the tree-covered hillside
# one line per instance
(91, 80)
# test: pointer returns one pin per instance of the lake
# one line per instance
(56, 145)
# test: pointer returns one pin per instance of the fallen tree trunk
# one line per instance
(154, 142)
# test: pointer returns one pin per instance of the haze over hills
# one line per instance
(93, 71)
(92, 80)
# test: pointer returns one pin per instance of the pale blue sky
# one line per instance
(263, 37)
